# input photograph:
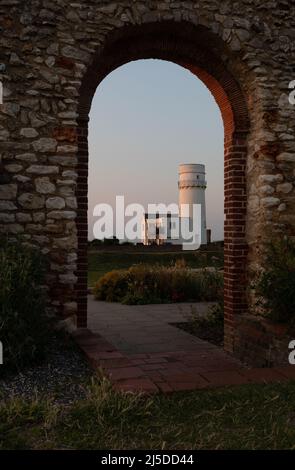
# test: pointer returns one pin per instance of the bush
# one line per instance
(214, 319)
(112, 286)
(209, 327)
(23, 323)
(95, 242)
(276, 284)
(110, 241)
(145, 284)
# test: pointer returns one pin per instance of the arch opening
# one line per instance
(198, 51)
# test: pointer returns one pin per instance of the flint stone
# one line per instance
(44, 186)
(27, 157)
(23, 218)
(55, 203)
(68, 278)
(59, 215)
(74, 53)
(43, 169)
(284, 188)
(31, 201)
(29, 132)
(7, 206)
(270, 202)
(270, 179)
(286, 157)
(13, 168)
(7, 218)
(8, 191)
(45, 145)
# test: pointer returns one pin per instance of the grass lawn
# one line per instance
(244, 417)
(101, 262)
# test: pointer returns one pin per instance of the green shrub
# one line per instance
(146, 284)
(23, 323)
(111, 287)
(209, 327)
(276, 284)
(213, 319)
(211, 285)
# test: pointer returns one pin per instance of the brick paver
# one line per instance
(139, 350)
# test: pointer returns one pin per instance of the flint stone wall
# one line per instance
(47, 52)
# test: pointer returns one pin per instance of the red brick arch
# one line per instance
(198, 50)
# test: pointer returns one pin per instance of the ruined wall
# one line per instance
(46, 49)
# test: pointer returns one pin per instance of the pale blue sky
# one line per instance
(147, 117)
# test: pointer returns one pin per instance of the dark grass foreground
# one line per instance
(245, 417)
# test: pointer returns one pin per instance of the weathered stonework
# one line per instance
(55, 53)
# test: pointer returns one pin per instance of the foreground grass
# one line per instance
(101, 262)
(245, 417)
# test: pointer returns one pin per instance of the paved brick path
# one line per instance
(137, 329)
(139, 350)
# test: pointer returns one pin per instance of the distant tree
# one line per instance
(95, 242)
(111, 241)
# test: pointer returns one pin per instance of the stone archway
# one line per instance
(54, 55)
(197, 50)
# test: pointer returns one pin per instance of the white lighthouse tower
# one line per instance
(192, 186)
